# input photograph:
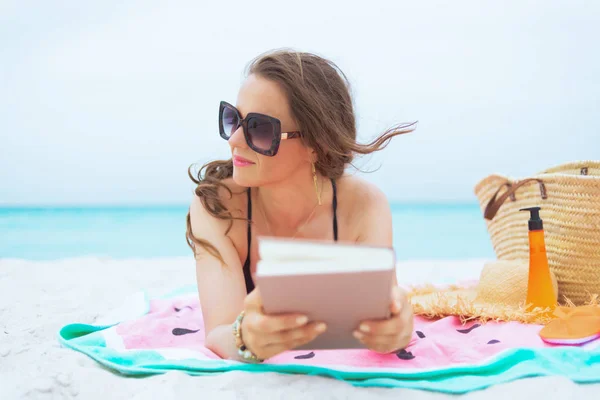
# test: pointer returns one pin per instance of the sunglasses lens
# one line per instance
(261, 133)
(229, 121)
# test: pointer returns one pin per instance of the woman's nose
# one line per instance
(237, 139)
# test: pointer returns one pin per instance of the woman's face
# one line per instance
(250, 168)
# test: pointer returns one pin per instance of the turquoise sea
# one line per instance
(421, 231)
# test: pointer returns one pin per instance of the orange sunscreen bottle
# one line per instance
(540, 292)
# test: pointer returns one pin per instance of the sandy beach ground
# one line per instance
(37, 298)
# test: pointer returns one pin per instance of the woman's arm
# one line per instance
(221, 287)
(375, 224)
(376, 229)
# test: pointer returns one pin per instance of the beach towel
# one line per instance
(155, 335)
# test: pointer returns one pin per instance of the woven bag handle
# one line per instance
(492, 207)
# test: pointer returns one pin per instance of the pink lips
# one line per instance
(241, 162)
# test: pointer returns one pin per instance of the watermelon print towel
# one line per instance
(151, 336)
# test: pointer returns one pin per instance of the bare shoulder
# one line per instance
(231, 196)
(365, 211)
(361, 194)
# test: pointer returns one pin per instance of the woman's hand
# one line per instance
(268, 335)
(386, 336)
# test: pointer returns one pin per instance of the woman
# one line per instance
(292, 133)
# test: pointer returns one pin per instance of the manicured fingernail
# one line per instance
(358, 335)
(365, 328)
(321, 327)
(302, 320)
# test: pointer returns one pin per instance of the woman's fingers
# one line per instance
(297, 337)
(266, 345)
(285, 331)
(383, 348)
(268, 335)
(381, 327)
(304, 333)
(271, 324)
(383, 339)
(398, 300)
(384, 343)
(401, 317)
(384, 336)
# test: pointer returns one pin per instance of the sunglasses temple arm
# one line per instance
(289, 135)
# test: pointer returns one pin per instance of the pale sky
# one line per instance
(110, 102)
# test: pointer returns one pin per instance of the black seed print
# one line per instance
(493, 341)
(421, 334)
(405, 355)
(183, 331)
(305, 356)
(469, 329)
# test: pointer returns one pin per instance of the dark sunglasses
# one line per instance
(263, 133)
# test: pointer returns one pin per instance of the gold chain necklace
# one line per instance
(300, 227)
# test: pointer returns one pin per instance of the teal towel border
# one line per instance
(577, 364)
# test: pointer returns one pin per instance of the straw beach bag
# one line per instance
(569, 196)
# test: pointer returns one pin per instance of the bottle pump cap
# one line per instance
(535, 222)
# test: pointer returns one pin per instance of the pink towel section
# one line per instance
(435, 344)
(176, 323)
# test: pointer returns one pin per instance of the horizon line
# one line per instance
(7, 206)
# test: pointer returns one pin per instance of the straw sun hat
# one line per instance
(499, 295)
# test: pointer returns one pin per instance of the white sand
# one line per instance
(37, 298)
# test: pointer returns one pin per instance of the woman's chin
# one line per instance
(243, 177)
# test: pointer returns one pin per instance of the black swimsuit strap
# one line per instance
(334, 205)
(247, 267)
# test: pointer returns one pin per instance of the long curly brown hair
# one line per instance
(321, 103)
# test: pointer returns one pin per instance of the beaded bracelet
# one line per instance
(243, 351)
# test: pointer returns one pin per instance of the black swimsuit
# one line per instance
(247, 273)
